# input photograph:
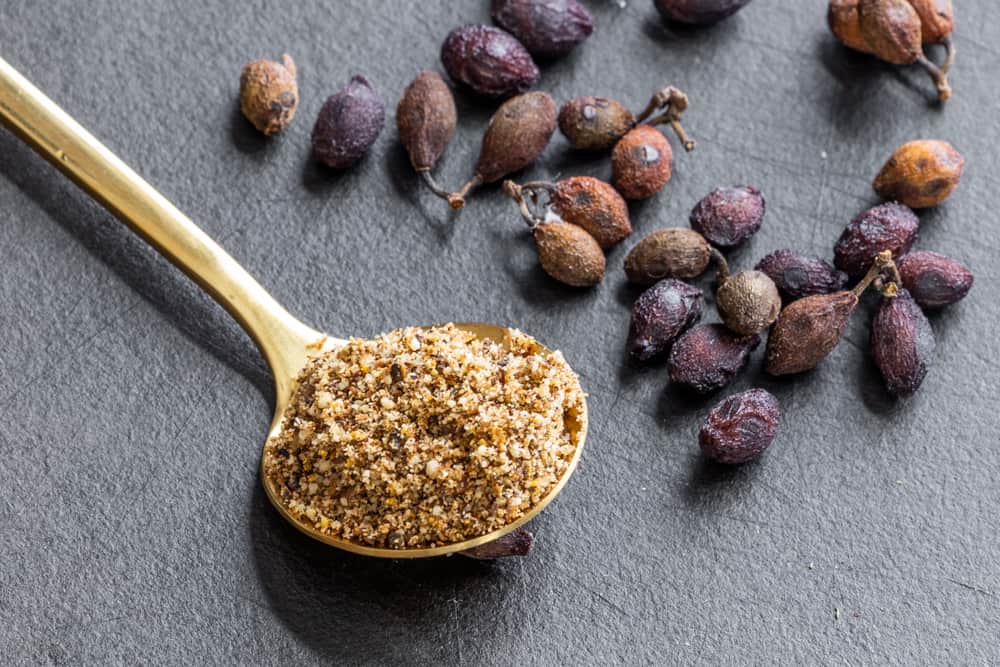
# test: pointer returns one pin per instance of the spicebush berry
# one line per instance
(269, 93)
(920, 173)
(845, 24)
(807, 330)
(426, 119)
(748, 302)
(660, 315)
(348, 124)
(902, 343)
(586, 202)
(676, 252)
(797, 276)
(741, 427)
(727, 217)
(891, 226)
(569, 254)
(707, 357)
(488, 60)
(594, 123)
(641, 163)
(515, 543)
(546, 28)
(698, 12)
(937, 19)
(934, 280)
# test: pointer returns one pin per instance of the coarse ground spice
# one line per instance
(425, 437)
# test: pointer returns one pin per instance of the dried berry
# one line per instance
(891, 226)
(547, 28)
(698, 12)
(845, 24)
(727, 217)
(641, 163)
(934, 280)
(708, 357)
(517, 134)
(902, 343)
(269, 94)
(488, 60)
(748, 301)
(920, 173)
(937, 20)
(797, 275)
(348, 124)
(741, 427)
(676, 252)
(515, 543)
(569, 254)
(597, 123)
(426, 119)
(586, 202)
(660, 315)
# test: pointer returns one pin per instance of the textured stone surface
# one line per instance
(133, 528)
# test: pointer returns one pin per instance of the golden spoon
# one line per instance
(285, 342)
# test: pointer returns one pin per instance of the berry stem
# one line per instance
(949, 58)
(672, 116)
(457, 199)
(939, 75)
(883, 262)
(432, 185)
(516, 192)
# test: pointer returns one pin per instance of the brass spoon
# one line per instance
(285, 342)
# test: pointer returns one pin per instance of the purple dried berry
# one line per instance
(660, 315)
(902, 343)
(698, 12)
(514, 543)
(708, 357)
(729, 216)
(741, 427)
(488, 60)
(798, 275)
(934, 280)
(348, 124)
(547, 28)
(891, 226)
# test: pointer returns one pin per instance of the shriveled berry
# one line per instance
(515, 543)
(426, 118)
(748, 302)
(569, 254)
(934, 280)
(797, 275)
(741, 427)
(660, 315)
(488, 60)
(920, 173)
(594, 123)
(547, 28)
(698, 12)
(641, 162)
(902, 343)
(707, 357)
(845, 24)
(807, 330)
(269, 93)
(348, 124)
(937, 19)
(727, 217)
(594, 205)
(675, 252)
(891, 226)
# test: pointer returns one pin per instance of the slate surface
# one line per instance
(133, 529)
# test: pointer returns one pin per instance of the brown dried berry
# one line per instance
(937, 19)
(845, 24)
(269, 94)
(426, 119)
(641, 162)
(902, 343)
(348, 124)
(675, 252)
(660, 315)
(547, 28)
(708, 357)
(727, 217)
(517, 134)
(515, 543)
(586, 202)
(488, 60)
(594, 123)
(891, 226)
(934, 280)
(569, 254)
(797, 275)
(741, 427)
(920, 173)
(748, 302)
(698, 12)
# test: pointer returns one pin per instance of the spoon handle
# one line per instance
(40, 123)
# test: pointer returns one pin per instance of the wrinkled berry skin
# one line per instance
(797, 276)
(709, 356)
(698, 12)
(641, 162)
(920, 174)
(889, 226)
(547, 28)
(348, 124)
(595, 206)
(741, 427)
(675, 252)
(488, 60)
(660, 315)
(729, 216)
(269, 94)
(748, 302)
(902, 343)
(517, 134)
(594, 123)
(807, 330)
(426, 119)
(934, 280)
(569, 254)
(845, 24)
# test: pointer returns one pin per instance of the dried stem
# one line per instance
(457, 199)
(883, 262)
(432, 185)
(949, 49)
(516, 192)
(939, 75)
(723, 274)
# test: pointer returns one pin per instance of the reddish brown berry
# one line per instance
(547, 28)
(675, 252)
(594, 123)
(937, 19)
(708, 357)
(569, 254)
(920, 173)
(698, 12)
(902, 343)
(641, 163)
(807, 331)
(426, 118)
(934, 280)
(727, 217)
(842, 17)
(891, 226)
(593, 205)
(797, 275)
(660, 315)
(748, 302)
(488, 60)
(269, 94)
(741, 427)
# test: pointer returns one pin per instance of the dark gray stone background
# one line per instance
(133, 528)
